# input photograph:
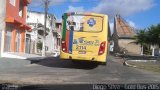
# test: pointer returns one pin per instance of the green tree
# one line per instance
(39, 45)
(141, 38)
(149, 37)
(154, 36)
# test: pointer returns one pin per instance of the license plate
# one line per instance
(82, 52)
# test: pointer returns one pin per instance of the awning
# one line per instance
(28, 28)
(18, 23)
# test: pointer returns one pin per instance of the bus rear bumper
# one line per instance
(101, 58)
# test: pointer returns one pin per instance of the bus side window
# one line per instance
(71, 25)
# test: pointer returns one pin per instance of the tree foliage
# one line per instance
(154, 35)
(150, 36)
(141, 37)
(39, 45)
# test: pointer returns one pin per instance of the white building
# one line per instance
(35, 38)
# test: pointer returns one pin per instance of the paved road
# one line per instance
(55, 71)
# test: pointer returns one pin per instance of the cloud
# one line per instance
(75, 9)
(113, 7)
(122, 7)
(131, 23)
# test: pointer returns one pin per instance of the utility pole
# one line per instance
(45, 20)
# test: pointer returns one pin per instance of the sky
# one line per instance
(140, 14)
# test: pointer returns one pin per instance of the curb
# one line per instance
(129, 65)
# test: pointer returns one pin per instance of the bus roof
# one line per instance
(85, 13)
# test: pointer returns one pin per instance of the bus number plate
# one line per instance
(80, 47)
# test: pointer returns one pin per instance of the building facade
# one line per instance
(35, 38)
(58, 37)
(13, 25)
(123, 37)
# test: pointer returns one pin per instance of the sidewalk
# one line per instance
(10, 63)
(21, 55)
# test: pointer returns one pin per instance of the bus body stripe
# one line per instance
(70, 42)
(64, 27)
(67, 40)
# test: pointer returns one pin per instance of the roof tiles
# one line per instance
(123, 29)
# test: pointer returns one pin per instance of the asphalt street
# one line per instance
(56, 71)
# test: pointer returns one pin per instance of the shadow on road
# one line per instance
(56, 62)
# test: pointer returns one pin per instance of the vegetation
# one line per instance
(154, 35)
(150, 66)
(148, 37)
(39, 45)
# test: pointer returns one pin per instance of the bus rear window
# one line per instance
(84, 23)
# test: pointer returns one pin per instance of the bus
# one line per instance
(85, 37)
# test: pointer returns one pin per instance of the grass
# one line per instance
(150, 66)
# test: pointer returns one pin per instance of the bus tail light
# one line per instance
(102, 48)
(64, 48)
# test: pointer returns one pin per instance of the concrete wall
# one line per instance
(2, 23)
(129, 46)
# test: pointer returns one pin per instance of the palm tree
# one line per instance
(141, 38)
(154, 37)
(150, 37)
